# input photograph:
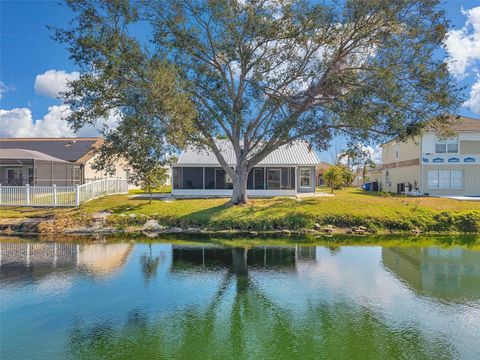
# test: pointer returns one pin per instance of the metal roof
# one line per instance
(69, 149)
(297, 153)
(22, 154)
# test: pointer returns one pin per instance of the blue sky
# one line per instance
(33, 67)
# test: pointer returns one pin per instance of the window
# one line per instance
(456, 177)
(219, 179)
(193, 178)
(177, 178)
(433, 179)
(14, 177)
(288, 178)
(273, 179)
(250, 180)
(209, 178)
(445, 179)
(259, 178)
(440, 148)
(228, 181)
(31, 177)
(449, 146)
(397, 151)
(305, 178)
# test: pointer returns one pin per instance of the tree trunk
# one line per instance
(239, 195)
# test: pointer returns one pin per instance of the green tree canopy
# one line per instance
(263, 73)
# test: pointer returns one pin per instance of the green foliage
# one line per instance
(338, 176)
(261, 73)
(122, 83)
(468, 222)
(152, 178)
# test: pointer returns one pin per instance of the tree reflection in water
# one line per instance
(242, 321)
(149, 265)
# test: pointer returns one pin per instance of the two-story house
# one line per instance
(432, 165)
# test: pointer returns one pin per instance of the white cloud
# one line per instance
(463, 49)
(52, 82)
(20, 123)
(473, 103)
(375, 153)
(4, 88)
(463, 45)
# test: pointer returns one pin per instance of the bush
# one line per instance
(443, 221)
(468, 222)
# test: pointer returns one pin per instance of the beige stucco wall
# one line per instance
(93, 174)
(469, 147)
(471, 174)
(375, 175)
(401, 175)
(406, 151)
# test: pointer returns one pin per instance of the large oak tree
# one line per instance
(262, 73)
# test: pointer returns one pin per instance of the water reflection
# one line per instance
(150, 265)
(201, 300)
(448, 274)
(31, 261)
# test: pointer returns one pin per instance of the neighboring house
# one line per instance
(321, 168)
(435, 166)
(48, 161)
(358, 179)
(287, 171)
(375, 177)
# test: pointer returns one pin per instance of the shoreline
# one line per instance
(53, 227)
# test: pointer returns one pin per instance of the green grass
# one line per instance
(350, 207)
(164, 189)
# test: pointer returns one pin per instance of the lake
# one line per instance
(246, 299)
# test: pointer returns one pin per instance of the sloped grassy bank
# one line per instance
(347, 209)
(425, 221)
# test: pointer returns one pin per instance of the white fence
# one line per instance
(60, 195)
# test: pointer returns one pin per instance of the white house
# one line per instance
(287, 171)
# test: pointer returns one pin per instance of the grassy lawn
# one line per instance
(349, 207)
(164, 189)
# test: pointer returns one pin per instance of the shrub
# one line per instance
(443, 221)
(468, 222)
(337, 176)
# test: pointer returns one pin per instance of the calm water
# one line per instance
(193, 300)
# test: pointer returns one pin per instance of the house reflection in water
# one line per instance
(21, 261)
(452, 274)
(239, 260)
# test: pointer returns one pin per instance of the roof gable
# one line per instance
(297, 153)
(463, 123)
(68, 149)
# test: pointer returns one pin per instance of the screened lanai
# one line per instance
(19, 167)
